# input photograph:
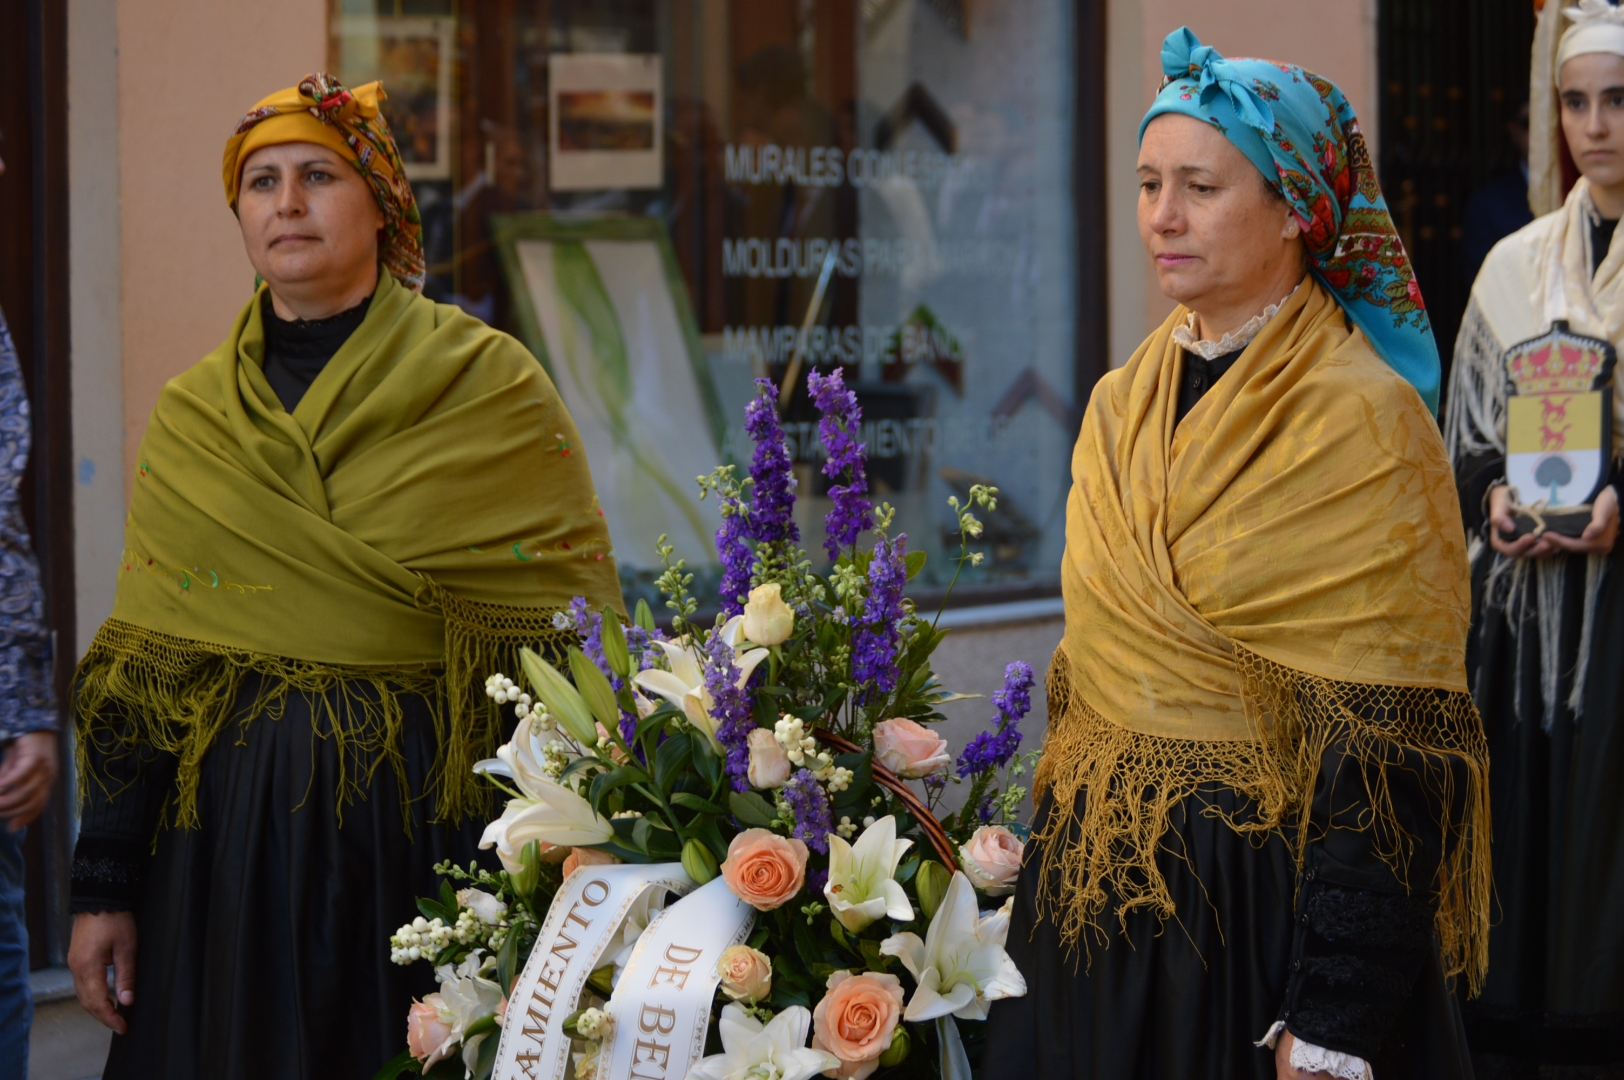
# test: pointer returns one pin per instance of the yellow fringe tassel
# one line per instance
(136, 689)
(1100, 850)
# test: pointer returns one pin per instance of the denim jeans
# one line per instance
(16, 1000)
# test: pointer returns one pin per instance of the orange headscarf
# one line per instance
(321, 110)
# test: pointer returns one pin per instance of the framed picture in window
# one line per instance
(602, 304)
(413, 55)
(607, 122)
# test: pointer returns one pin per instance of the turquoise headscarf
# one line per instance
(1301, 133)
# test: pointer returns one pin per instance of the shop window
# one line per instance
(669, 199)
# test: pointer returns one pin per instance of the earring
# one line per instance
(1291, 230)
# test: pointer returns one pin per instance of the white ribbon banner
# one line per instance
(662, 1002)
(584, 918)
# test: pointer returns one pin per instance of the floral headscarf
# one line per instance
(1301, 133)
(321, 110)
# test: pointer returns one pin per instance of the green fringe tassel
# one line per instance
(138, 689)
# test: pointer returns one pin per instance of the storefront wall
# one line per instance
(158, 270)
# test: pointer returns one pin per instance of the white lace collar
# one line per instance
(1233, 341)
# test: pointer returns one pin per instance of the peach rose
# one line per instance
(992, 859)
(856, 1019)
(426, 1031)
(746, 973)
(908, 749)
(764, 869)
(587, 856)
(769, 765)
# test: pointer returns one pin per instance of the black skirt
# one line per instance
(1554, 998)
(1187, 998)
(263, 948)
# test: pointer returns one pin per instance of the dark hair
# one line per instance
(1271, 190)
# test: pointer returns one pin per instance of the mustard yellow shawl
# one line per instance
(420, 515)
(1283, 570)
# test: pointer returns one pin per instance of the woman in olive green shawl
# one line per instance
(343, 519)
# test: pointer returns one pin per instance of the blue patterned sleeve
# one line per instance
(27, 697)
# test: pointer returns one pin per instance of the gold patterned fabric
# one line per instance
(420, 515)
(1282, 570)
(322, 110)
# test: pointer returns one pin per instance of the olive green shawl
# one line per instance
(421, 514)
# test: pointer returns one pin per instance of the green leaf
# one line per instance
(561, 699)
(876, 960)
(485, 1061)
(915, 562)
(402, 1064)
(906, 871)
(577, 765)
(640, 833)
(615, 652)
(706, 761)
(838, 932)
(595, 691)
(507, 959)
(644, 616)
(604, 783)
(751, 809)
(689, 801)
(432, 910)
(483, 1024)
(626, 853)
(448, 898)
(670, 759)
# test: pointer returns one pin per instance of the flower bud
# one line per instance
(932, 881)
(615, 652)
(524, 882)
(897, 1052)
(767, 619)
(769, 764)
(698, 862)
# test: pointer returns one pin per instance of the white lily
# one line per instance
(684, 684)
(751, 1050)
(467, 996)
(961, 966)
(862, 877)
(548, 812)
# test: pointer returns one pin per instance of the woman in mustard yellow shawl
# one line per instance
(1261, 846)
(343, 519)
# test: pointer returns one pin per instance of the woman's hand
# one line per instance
(1597, 538)
(100, 940)
(1282, 1062)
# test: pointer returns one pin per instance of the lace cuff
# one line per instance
(1310, 1058)
(106, 875)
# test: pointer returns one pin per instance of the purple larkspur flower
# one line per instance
(772, 505)
(730, 707)
(842, 419)
(874, 643)
(994, 749)
(735, 557)
(810, 805)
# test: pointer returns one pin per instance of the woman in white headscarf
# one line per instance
(1549, 610)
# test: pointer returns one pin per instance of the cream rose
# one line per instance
(909, 749)
(764, 869)
(856, 1019)
(586, 856)
(992, 859)
(746, 973)
(767, 619)
(769, 765)
(428, 1030)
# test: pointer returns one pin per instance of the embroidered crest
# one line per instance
(1558, 418)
